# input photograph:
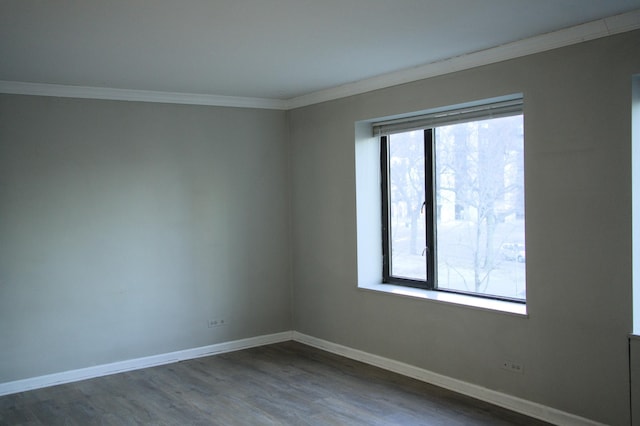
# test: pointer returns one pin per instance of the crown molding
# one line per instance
(589, 31)
(553, 40)
(85, 92)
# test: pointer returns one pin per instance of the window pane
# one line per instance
(406, 195)
(480, 207)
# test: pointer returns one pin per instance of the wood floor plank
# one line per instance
(283, 384)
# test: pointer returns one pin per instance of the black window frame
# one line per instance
(430, 283)
(427, 208)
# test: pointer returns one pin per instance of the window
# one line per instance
(453, 201)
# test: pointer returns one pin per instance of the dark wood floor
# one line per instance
(283, 384)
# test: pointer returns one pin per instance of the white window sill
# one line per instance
(513, 308)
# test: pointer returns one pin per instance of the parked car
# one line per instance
(513, 251)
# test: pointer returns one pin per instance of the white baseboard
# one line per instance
(138, 363)
(512, 403)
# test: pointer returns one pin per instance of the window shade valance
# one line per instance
(453, 116)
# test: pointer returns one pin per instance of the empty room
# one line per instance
(353, 212)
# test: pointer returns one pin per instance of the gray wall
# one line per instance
(574, 343)
(125, 226)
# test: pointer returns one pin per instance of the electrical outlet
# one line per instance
(514, 367)
(213, 323)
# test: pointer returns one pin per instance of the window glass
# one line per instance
(480, 239)
(454, 199)
(406, 196)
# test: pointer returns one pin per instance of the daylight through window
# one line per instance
(453, 201)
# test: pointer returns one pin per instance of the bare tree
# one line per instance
(485, 162)
(478, 178)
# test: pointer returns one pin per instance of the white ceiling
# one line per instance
(274, 49)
